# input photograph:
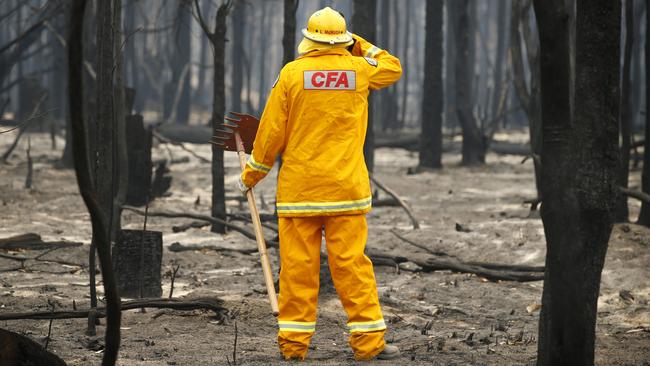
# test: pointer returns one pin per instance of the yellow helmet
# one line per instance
(327, 26)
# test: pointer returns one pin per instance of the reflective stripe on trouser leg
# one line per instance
(300, 242)
(354, 279)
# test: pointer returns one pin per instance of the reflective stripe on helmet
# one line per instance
(315, 207)
(291, 326)
(367, 326)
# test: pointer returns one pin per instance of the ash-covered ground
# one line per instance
(439, 318)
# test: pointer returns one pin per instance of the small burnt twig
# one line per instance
(49, 328)
(234, 350)
(407, 209)
(171, 289)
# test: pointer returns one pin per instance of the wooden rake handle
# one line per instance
(259, 235)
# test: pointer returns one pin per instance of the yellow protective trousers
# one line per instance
(352, 274)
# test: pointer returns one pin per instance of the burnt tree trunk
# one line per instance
(500, 63)
(238, 51)
(121, 166)
(218, 40)
(432, 98)
(644, 216)
(529, 99)
(289, 32)
(626, 115)
(474, 144)
(87, 188)
(580, 160)
(363, 23)
(181, 61)
(450, 64)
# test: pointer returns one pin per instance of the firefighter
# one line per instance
(316, 117)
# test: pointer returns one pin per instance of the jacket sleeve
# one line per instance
(384, 68)
(270, 137)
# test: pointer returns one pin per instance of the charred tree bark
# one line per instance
(432, 99)
(450, 64)
(529, 99)
(363, 22)
(87, 188)
(289, 32)
(500, 63)
(218, 40)
(644, 216)
(238, 51)
(181, 68)
(579, 171)
(121, 166)
(474, 143)
(626, 115)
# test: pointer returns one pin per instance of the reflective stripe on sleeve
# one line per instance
(291, 326)
(367, 326)
(257, 166)
(372, 51)
(338, 206)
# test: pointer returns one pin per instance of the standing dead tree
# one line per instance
(627, 113)
(89, 191)
(474, 142)
(529, 96)
(217, 39)
(580, 161)
(432, 97)
(289, 33)
(363, 22)
(644, 216)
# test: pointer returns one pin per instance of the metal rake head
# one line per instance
(243, 124)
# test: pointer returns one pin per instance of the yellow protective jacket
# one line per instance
(316, 117)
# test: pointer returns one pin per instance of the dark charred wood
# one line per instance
(191, 225)
(138, 139)
(206, 218)
(162, 181)
(213, 304)
(136, 261)
(18, 350)
(397, 198)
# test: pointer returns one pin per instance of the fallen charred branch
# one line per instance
(397, 198)
(191, 225)
(194, 216)
(417, 245)
(31, 241)
(490, 271)
(178, 247)
(165, 140)
(434, 264)
(247, 219)
(213, 304)
(641, 196)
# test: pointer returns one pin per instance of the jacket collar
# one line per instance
(333, 51)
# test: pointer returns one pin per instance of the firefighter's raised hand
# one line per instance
(242, 187)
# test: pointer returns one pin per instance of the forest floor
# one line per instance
(436, 318)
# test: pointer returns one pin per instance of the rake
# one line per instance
(237, 134)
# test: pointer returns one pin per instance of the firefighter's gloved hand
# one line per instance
(242, 187)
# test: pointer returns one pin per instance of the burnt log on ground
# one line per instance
(247, 233)
(31, 241)
(209, 303)
(175, 132)
(18, 350)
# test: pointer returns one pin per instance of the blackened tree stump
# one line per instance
(137, 261)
